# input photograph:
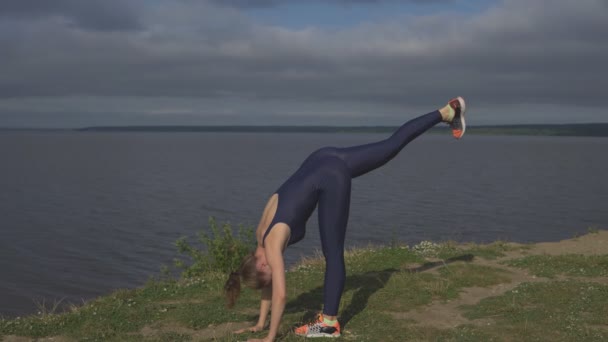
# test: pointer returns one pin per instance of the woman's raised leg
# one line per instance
(365, 158)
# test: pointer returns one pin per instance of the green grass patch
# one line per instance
(552, 311)
(120, 315)
(404, 291)
(461, 276)
(570, 264)
(377, 259)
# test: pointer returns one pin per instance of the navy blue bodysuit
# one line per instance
(324, 179)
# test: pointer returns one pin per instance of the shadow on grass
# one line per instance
(365, 286)
(430, 265)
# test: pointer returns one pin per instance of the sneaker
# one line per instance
(319, 329)
(457, 124)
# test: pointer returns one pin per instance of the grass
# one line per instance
(569, 264)
(552, 311)
(386, 294)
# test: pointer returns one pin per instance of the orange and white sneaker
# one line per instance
(319, 329)
(458, 124)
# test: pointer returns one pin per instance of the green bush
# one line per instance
(222, 250)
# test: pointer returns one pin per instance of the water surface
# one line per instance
(83, 213)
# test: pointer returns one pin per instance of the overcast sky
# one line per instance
(74, 63)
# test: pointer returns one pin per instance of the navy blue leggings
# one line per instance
(324, 181)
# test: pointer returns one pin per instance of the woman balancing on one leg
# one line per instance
(323, 180)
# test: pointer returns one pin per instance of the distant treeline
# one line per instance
(589, 130)
(246, 129)
(595, 130)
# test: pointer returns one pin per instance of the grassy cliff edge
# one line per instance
(428, 292)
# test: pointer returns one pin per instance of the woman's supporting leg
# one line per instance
(333, 209)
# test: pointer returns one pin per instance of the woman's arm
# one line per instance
(279, 292)
(264, 308)
(274, 245)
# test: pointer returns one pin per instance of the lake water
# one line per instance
(82, 213)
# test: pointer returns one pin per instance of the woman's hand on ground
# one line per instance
(254, 328)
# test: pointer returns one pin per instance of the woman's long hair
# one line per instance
(249, 274)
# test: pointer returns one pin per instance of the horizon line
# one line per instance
(84, 128)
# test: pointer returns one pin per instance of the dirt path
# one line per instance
(209, 333)
(448, 315)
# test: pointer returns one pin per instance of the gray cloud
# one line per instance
(92, 15)
(538, 53)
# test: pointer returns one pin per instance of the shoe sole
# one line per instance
(463, 109)
(320, 335)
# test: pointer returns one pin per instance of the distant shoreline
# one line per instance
(589, 129)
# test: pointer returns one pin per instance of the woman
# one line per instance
(324, 181)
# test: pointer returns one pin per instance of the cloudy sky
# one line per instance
(75, 63)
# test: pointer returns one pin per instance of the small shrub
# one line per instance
(223, 250)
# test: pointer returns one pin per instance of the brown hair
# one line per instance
(248, 272)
